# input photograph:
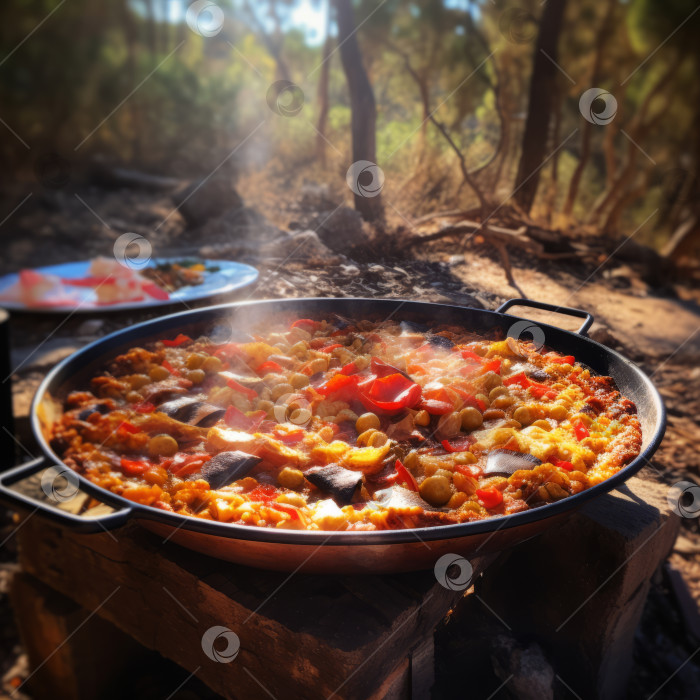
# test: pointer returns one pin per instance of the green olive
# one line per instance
(195, 360)
(196, 376)
(158, 373)
(436, 490)
(522, 415)
(367, 421)
(290, 478)
(212, 364)
(471, 418)
(162, 446)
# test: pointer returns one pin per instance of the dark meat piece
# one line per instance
(225, 468)
(441, 341)
(539, 375)
(338, 481)
(192, 410)
(506, 462)
(95, 408)
(167, 389)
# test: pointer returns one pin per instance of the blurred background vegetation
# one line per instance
(474, 100)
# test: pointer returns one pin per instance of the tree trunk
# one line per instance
(542, 89)
(587, 128)
(323, 91)
(362, 105)
(272, 44)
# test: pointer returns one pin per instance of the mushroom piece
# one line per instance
(226, 467)
(505, 462)
(338, 481)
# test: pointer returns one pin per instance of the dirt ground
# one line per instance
(656, 326)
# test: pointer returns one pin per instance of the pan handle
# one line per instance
(566, 310)
(57, 490)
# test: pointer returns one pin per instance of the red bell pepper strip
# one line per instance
(490, 497)
(127, 427)
(470, 355)
(459, 445)
(471, 470)
(348, 369)
(537, 389)
(520, 379)
(564, 360)
(285, 508)
(392, 393)
(153, 290)
(436, 407)
(580, 430)
(492, 366)
(88, 281)
(248, 393)
(469, 399)
(133, 467)
(184, 464)
(340, 386)
(384, 369)
(144, 407)
(403, 476)
(176, 342)
(269, 366)
(237, 419)
(291, 437)
(311, 325)
(262, 492)
(562, 464)
(331, 347)
(170, 368)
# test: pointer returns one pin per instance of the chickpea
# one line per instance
(298, 380)
(503, 401)
(421, 418)
(345, 414)
(436, 490)
(158, 373)
(134, 397)
(196, 376)
(497, 391)
(136, 381)
(377, 439)
(545, 425)
(449, 425)
(290, 478)
(484, 399)
(264, 405)
(280, 390)
(411, 460)
(162, 446)
(195, 360)
(363, 438)
(212, 364)
(522, 415)
(318, 365)
(492, 413)
(471, 418)
(465, 458)
(367, 421)
(444, 472)
(558, 412)
(492, 380)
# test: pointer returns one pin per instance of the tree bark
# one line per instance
(542, 89)
(362, 105)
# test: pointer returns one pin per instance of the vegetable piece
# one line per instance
(348, 369)
(144, 407)
(331, 347)
(492, 366)
(269, 366)
(562, 464)
(176, 342)
(460, 445)
(367, 421)
(366, 459)
(490, 497)
(306, 324)
(262, 492)
(405, 477)
(392, 393)
(226, 467)
(126, 427)
(224, 439)
(565, 360)
(162, 445)
(290, 478)
(133, 467)
(436, 407)
(505, 462)
(237, 419)
(337, 480)
(436, 490)
(248, 393)
(471, 418)
(580, 430)
(285, 508)
(170, 368)
(340, 387)
(384, 369)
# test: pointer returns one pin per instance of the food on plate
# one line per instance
(172, 276)
(338, 424)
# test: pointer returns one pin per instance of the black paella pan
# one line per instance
(321, 551)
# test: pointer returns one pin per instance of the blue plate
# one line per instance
(229, 277)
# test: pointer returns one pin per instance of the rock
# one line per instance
(317, 197)
(206, 199)
(304, 245)
(525, 669)
(344, 231)
(243, 229)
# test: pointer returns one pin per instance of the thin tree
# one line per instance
(362, 105)
(323, 79)
(540, 104)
